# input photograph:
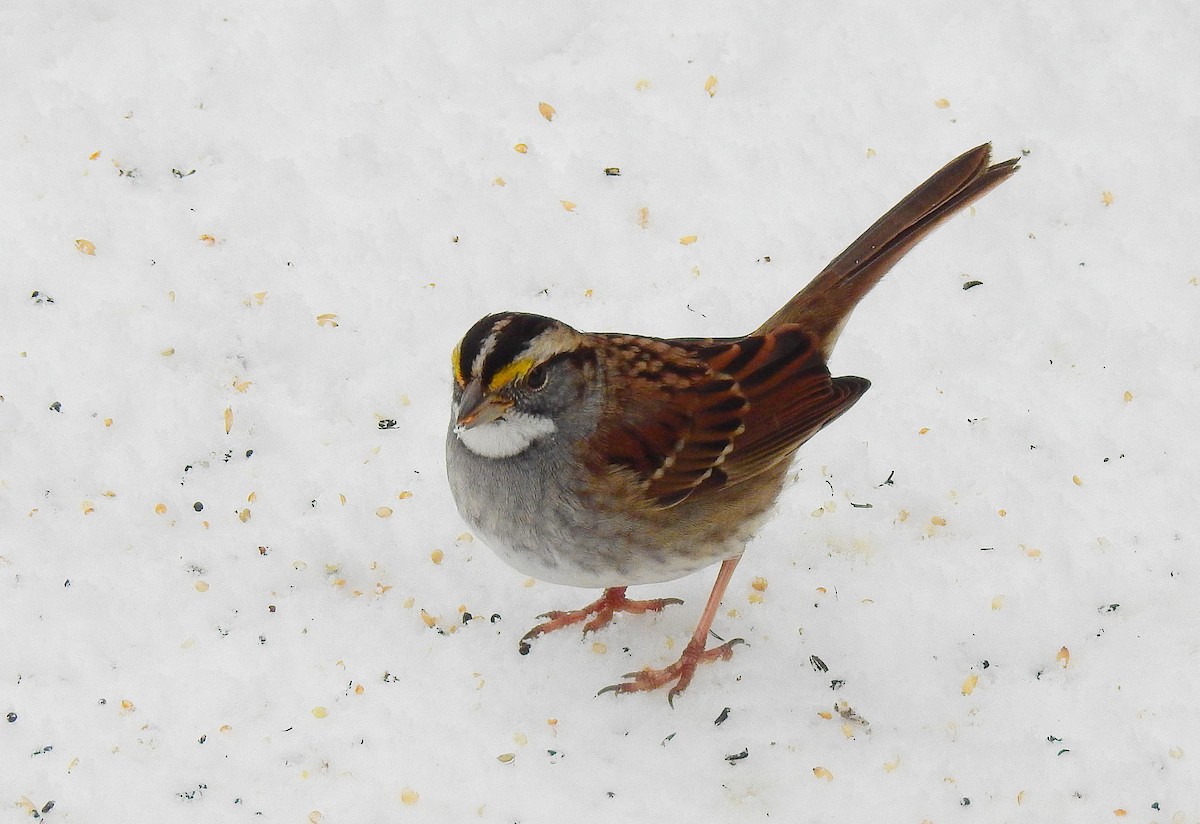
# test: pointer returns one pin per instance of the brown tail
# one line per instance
(824, 305)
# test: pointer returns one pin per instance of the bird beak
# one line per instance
(476, 409)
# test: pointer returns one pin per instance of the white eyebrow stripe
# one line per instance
(549, 342)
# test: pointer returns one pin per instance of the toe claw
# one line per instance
(525, 644)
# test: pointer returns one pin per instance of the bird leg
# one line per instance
(694, 653)
(596, 614)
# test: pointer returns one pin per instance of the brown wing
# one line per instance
(673, 420)
(790, 396)
(717, 413)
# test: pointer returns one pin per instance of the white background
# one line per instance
(166, 665)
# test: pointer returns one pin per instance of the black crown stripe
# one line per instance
(472, 343)
(511, 341)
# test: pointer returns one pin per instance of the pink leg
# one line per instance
(600, 612)
(694, 653)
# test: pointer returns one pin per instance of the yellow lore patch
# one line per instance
(456, 365)
(512, 372)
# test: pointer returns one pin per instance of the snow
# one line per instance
(268, 658)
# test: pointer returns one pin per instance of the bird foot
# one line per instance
(595, 615)
(680, 672)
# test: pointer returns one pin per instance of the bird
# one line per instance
(605, 460)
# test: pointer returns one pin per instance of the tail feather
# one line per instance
(824, 305)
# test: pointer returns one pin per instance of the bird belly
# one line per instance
(537, 519)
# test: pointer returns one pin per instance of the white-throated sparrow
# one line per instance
(604, 460)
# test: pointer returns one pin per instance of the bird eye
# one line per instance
(535, 379)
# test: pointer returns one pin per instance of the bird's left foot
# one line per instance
(680, 673)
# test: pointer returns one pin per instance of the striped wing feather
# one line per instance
(718, 412)
(789, 392)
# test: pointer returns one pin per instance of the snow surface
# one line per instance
(248, 171)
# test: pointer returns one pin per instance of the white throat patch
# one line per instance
(506, 436)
